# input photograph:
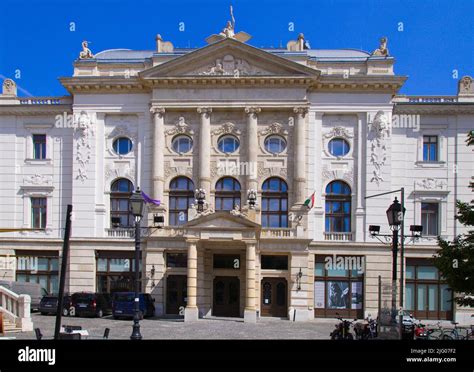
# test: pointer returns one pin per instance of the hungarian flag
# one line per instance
(310, 201)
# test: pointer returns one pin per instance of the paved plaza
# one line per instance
(212, 328)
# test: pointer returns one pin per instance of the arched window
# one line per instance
(338, 207)
(274, 203)
(120, 192)
(181, 198)
(227, 194)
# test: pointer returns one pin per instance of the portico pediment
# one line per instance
(222, 221)
(229, 58)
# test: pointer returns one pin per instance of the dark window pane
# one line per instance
(274, 262)
(176, 260)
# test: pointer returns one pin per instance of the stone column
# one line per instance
(360, 210)
(300, 154)
(252, 143)
(250, 312)
(191, 311)
(158, 146)
(205, 150)
(318, 210)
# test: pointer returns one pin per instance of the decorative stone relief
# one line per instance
(378, 150)
(345, 174)
(337, 132)
(430, 184)
(274, 128)
(171, 172)
(265, 172)
(226, 128)
(118, 170)
(38, 180)
(229, 66)
(180, 128)
(83, 133)
(122, 130)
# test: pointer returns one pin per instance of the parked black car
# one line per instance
(123, 305)
(91, 304)
(49, 305)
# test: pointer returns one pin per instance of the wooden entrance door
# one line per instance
(176, 293)
(274, 297)
(226, 296)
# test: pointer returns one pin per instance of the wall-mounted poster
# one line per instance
(357, 297)
(319, 292)
(338, 295)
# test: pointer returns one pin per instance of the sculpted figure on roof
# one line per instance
(86, 52)
(382, 50)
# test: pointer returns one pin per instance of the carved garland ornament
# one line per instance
(430, 184)
(83, 132)
(171, 172)
(274, 128)
(38, 180)
(345, 174)
(180, 128)
(378, 149)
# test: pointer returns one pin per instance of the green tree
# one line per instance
(455, 259)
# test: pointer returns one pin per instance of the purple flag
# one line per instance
(149, 200)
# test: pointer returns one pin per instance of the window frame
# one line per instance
(177, 138)
(42, 155)
(423, 212)
(330, 199)
(115, 198)
(43, 215)
(223, 138)
(220, 195)
(345, 143)
(430, 144)
(174, 196)
(280, 138)
(117, 140)
(282, 197)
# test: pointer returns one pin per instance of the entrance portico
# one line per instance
(217, 237)
(223, 274)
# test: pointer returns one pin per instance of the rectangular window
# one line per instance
(430, 218)
(39, 146)
(426, 294)
(275, 262)
(338, 289)
(43, 270)
(176, 260)
(226, 261)
(38, 213)
(430, 148)
(115, 272)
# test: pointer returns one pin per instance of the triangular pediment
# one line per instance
(229, 58)
(222, 221)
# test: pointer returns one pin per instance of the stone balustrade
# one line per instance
(16, 308)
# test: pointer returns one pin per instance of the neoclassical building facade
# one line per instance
(283, 144)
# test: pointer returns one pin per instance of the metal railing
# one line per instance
(45, 101)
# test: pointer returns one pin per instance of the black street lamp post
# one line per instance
(136, 208)
(395, 219)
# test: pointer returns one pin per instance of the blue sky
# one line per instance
(437, 36)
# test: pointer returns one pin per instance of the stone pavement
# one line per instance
(211, 328)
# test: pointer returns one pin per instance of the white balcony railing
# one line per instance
(16, 309)
(120, 232)
(338, 236)
(278, 233)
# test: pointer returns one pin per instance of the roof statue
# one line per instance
(298, 45)
(163, 46)
(86, 52)
(9, 87)
(229, 32)
(382, 50)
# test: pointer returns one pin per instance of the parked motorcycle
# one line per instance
(366, 329)
(421, 332)
(343, 330)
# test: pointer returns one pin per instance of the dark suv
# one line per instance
(49, 305)
(123, 305)
(91, 304)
